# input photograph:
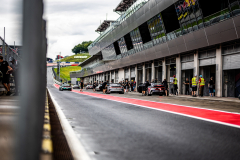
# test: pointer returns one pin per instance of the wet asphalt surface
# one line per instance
(117, 131)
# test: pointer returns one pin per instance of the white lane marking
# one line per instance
(208, 120)
(77, 149)
(188, 106)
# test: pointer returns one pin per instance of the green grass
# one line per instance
(72, 59)
(65, 71)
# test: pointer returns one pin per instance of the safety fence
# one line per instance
(7, 52)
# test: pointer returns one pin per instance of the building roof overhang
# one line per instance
(124, 5)
(104, 25)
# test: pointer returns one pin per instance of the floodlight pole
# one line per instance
(59, 66)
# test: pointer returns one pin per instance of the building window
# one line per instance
(230, 49)
(187, 58)
(128, 41)
(215, 11)
(207, 53)
(109, 52)
(170, 19)
(116, 47)
(234, 6)
(157, 29)
(145, 34)
(122, 45)
(136, 40)
(189, 15)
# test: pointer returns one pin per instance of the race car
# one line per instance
(89, 87)
(156, 88)
(99, 87)
(65, 86)
(115, 88)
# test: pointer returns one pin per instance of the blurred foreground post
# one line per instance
(32, 82)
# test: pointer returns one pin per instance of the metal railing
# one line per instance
(6, 51)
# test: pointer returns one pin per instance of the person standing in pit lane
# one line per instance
(165, 87)
(94, 86)
(187, 86)
(15, 66)
(5, 69)
(201, 85)
(104, 86)
(81, 86)
(175, 85)
(145, 87)
(194, 86)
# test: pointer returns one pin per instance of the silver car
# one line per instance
(115, 88)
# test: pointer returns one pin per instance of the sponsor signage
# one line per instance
(80, 56)
(183, 7)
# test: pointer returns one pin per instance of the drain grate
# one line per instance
(61, 150)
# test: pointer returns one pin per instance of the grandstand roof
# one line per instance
(104, 26)
(124, 5)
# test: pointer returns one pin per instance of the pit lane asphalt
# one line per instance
(117, 131)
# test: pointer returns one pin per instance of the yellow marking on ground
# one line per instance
(47, 145)
(47, 117)
(47, 127)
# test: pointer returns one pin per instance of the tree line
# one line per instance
(83, 47)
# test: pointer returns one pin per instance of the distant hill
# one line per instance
(72, 59)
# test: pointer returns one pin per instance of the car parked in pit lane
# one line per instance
(115, 88)
(65, 86)
(156, 88)
(140, 86)
(76, 87)
(99, 87)
(89, 87)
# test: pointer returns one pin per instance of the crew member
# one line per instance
(81, 86)
(194, 86)
(175, 85)
(201, 85)
(187, 86)
(15, 67)
(5, 69)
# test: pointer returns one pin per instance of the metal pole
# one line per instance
(59, 66)
(32, 82)
(3, 49)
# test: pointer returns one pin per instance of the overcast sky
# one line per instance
(68, 22)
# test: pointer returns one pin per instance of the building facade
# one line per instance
(162, 38)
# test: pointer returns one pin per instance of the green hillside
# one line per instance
(72, 59)
(65, 71)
